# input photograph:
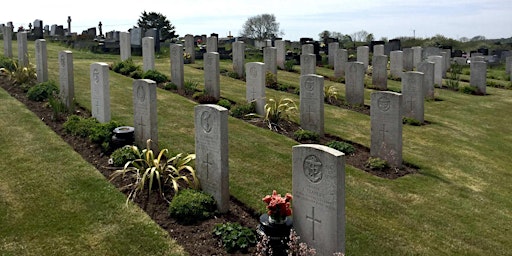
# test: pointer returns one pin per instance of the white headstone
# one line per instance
(255, 85)
(427, 68)
(380, 72)
(211, 143)
(190, 48)
(378, 49)
(340, 62)
(22, 49)
(41, 61)
(124, 46)
(318, 182)
(239, 58)
(307, 64)
(308, 49)
(281, 53)
(363, 55)
(478, 76)
(148, 53)
(438, 69)
(417, 56)
(413, 95)
(396, 63)
(270, 60)
(332, 49)
(354, 83)
(312, 103)
(145, 113)
(212, 74)
(7, 37)
(408, 59)
(211, 44)
(100, 92)
(177, 69)
(66, 78)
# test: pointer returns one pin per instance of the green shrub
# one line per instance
(122, 155)
(126, 67)
(242, 110)
(224, 103)
(78, 126)
(102, 133)
(375, 163)
(42, 91)
(58, 107)
(136, 74)
(342, 146)
(411, 121)
(289, 65)
(467, 89)
(8, 63)
(270, 80)
(156, 76)
(190, 87)
(170, 86)
(454, 79)
(282, 87)
(330, 94)
(305, 135)
(190, 206)
(275, 111)
(204, 98)
(22, 76)
(235, 236)
(233, 75)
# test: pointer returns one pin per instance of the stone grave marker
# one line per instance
(177, 66)
(212, 74)
(354, 83)
(270, 60)
(446, 63)
(155, 34)
(396, 62)
(190, 48)
(281, 53)
(340, 62)
(212, 44)
(318, 182)
(478, 76)
(408, 59)
(380, 71)
(378, 49)
(431, 51)
(438, 69)
(145, 113)
(124, 46)
(66, 78)
(332, 49)
(417, 56)
(413, 95)
(307, 64)
(427, 68)
(386, 127)
(7, 37)
(22, 49)
(38, 29)
(312, 103)
(255, 85)
(211, 144)
(239, 58)
(135, 37)
(100, 92)
(363, 55)
(447, 59)
(41, 61)
(508, 65)
(308, 49)
(148, 53)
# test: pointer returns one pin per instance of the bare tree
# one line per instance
(260, 27)
(359, 36)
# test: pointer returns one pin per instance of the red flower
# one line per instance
(278, 207)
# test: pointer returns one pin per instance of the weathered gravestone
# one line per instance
(66, 78)
(378, 49)
(177, 69)
(380, 71)
(41, 61)
(135, 37)
(211, 44)
(239, 58)
(270, 60)
(307, 64)
(333, 48)
(363, 55)
(413, 95)
(438, 69)
(145, 113)
(408, 59)
(281, 53)
(312, 103)
(308, 49)
(386, 127)
(211, 144)
(417, 56)
(431, 51)
(190, 48)
(508, 65)
(155, 34)
(446, 62)
(7, 37)
(148, 53)
(340, 62)
(255, 85)
(427, 68)
(318, 182)
(354, 83)
(212, 74)
(22, 49)
(478, 76)
(100, 92)
(125, 48)
(396, 63)
(38, 29)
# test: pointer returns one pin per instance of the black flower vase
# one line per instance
(123, 135)
(277, 233)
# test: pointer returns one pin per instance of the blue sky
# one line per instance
(298, 18)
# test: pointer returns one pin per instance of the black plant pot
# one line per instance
(277, 234)
(123, 135)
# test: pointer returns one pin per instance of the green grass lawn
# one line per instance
(459, 204)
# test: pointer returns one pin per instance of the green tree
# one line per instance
(324, 35)
(260, 27)
(156, 20)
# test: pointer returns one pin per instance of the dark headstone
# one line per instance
(155, 34)
(392, 45)
(483, 51)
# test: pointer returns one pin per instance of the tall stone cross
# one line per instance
(100, 28)
(69, 24)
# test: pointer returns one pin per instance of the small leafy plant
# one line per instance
(411, 121)
(170, 86)
(468, 89)
(276, 111)
(122, 155)
(190, 87)
(58, 107)
(99, 133)
(270, 80)
(305, 135)
(342, 146)
(454, 79)
(234, 236)
(330, 94)
(224, 103)
(243, 110)
(19, 75)
(42, 91)
(377, 164)
(127, 68)
(156, 76)
(289, 65)
(190, 206)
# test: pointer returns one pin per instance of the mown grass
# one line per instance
(52, 202)
(459, 203)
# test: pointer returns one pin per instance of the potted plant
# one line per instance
(277, 222)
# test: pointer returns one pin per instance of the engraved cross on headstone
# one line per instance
(207, 163)
(141, 124)
(313, 220)
(410, 102)
(383, 131)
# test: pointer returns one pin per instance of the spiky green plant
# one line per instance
(276, 111)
